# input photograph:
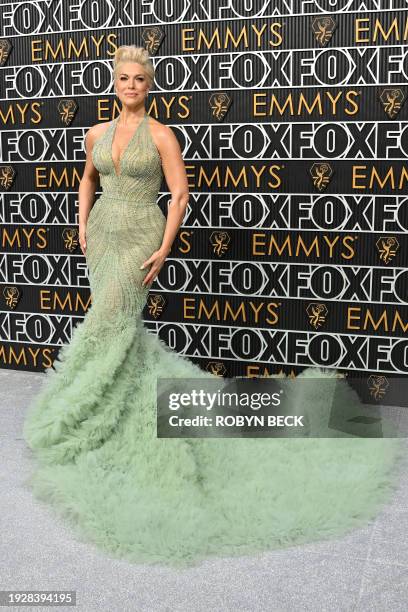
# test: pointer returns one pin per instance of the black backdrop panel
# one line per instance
(292, 119)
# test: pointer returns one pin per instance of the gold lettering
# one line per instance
(354, 104)
(277, 178)
(300, 105)
(331, 244)
(393, 28)
(376, 322)
(187, 307)
(359, 29)
(184, 235)
(51, 300)
(258, 33)
(274, 314)
(314, 245)
(276, 26)
(185, 38)
(375, 325)
(253, 371)
(349, 247)
(47, 178)
(258, 175)
(209, 313)
(351, 317)
(379, 31)
(202, 38)
(397, 319)
(28, 233)
(316, 102)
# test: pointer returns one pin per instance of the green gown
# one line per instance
(92, 427)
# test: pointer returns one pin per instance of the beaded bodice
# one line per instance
(140, 172)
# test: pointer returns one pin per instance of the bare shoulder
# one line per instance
(96, 131)
(163, 136)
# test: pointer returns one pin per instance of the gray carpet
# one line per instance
(367, 570)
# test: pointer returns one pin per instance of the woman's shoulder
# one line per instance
(95, 132)
(98, 129)
(160, 130)
(156, 125)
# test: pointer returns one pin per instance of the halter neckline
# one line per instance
(142, 119)
(114, 124)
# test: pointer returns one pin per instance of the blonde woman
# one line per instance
(93, 425)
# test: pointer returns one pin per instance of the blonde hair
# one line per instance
(131, 53)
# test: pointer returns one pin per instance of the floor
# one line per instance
(366, 571)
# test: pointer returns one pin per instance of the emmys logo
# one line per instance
(321, 174)
(71, 238)
(317, 314)
(11, 296)
(152, 38)
(392, 101)
(7, 175)
(220, 242)
(216, 367)
(155, 305)
(378, 386)
(323, 28)
(5, 48)
(67, 110)
(219, 104)
(387, 247)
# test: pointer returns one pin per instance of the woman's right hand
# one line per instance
(82, 239)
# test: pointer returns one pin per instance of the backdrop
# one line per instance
(292, 120)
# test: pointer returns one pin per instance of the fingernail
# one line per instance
(141, 267)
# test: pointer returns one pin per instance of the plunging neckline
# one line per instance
(115, 122)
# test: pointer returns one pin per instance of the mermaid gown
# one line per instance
(92, 427)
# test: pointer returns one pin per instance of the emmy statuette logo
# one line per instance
(219, 103)
(70, 236)
(12, 296)
(7, 175)
(317, 314)
(220, 242)
(216, 367)
(321, 175)
(378, 386)
(155, 305)
(152, 39)
(392, 101)
(5, 48)
(323, 28)
(387, 248)
(67, 110)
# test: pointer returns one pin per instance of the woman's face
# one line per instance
(131, 84)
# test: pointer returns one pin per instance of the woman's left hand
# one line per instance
(157, 260)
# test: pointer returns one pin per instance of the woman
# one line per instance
(93, 425)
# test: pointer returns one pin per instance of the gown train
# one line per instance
(92, 426)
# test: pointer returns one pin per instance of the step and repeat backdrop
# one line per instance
(292, 119)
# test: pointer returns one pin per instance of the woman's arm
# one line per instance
(176, 179)
(177, 182)
(87, 187)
